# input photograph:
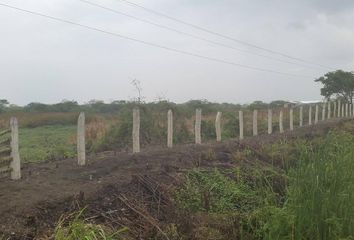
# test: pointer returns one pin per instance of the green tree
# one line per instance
(3, 105)
(338, 83)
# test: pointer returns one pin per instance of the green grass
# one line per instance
(313, 201)
(79, 229)
(47, 143)
(214, 192)
(320, 199)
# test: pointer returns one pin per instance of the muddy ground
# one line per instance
(113, 184)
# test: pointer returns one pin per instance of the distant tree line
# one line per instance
(98, 106)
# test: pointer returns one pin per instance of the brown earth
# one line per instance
(113, 185)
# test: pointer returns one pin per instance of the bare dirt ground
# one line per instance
(111, 182)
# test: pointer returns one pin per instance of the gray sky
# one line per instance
(46, 61)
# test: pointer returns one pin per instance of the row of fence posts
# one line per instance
(12, 163)
(342, 110)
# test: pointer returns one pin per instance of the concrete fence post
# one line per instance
(316, 114)
(197, 127)
(15, 154)
(270, 121)
(169, 129)
(218, 126)
(291, 118)
(255, 122)
(240, 120)
(342, 115)
(281, 127)
(81, 148)
(310, 114)
(334, 109)
(329, 109)
(339, 109)
(136, 130)
(323, 111)
(301, 117)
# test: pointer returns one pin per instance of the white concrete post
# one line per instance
(15, 154)
(346, 110)
(136, 130)
(310, 114)
(270, 121)
(281, 127)
(291, 116)
(323, 111)
(316, 114)
(240, 120)
(169, 129)
(339, 109)
(301, 118)
(329, 109)
(218, 126)
(255, 122)
(334, 109)
(81, 149)
(197, 127)
(342, 115)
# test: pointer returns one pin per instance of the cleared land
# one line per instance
(115, 186)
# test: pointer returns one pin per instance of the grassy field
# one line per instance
(47, 142)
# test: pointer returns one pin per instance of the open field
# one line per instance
(52, 135)
(50, 142)
(166, 194)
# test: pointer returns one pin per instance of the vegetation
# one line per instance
(338, 83)
(78, 229)
(215, 193)
(47, 143)
(312, 201)
(320, 193)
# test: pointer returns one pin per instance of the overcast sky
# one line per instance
(42, 60)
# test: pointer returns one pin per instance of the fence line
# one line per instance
(9, 147)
